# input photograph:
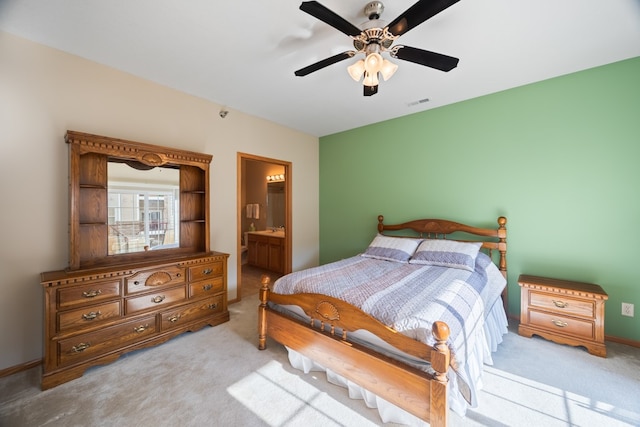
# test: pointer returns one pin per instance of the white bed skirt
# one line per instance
(495, 326)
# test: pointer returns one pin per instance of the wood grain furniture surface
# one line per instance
(266, 251)
(105, 304)
(420, 393)
(92, 316)
(563, 311)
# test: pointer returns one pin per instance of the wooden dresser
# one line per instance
(140, 265)
(563, 311)
(93, 316)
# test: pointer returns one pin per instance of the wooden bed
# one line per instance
(326, 338)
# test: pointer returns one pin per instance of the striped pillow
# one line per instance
(447, 253)
(398, 249)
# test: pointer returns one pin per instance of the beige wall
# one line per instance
(44, 92)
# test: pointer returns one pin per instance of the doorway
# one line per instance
(264, 207)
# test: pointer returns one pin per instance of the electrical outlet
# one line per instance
(627, 309)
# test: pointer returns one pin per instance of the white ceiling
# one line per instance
(241, 54)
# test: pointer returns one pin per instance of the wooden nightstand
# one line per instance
(563, 311)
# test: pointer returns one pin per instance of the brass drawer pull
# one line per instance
(80, 347)
(560, 323)
(213, 306)
(207, 287)
(141, 328)
(560, 304)
(91, 315)
(174, 319)
(91, 294)
(158, 299)
(207, 271)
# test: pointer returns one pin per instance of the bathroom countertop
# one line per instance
(278, 233)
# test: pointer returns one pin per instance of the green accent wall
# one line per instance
(559, 158)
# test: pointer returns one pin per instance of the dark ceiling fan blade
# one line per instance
(424, 57)
(324, 63)
(327, 16)
(417, 14)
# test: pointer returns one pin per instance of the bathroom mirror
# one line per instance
(275, 204)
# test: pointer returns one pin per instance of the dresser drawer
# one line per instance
(186, 313)
(206, 287)
(154, 279)
(206, 271)
(562, 305)
(562, 324)
(155, 300)
(88, 316)
(88, 294)
(86, 346)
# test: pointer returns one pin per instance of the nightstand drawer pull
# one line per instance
(141, 328)
(207, 287)
(207, 271)
(158, 299)
(174, 319)
(80, 347)
(213, 306)
(560, 323)
(560, 304)
(91, 294)
(91, 315)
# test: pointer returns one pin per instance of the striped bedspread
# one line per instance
(410, 297)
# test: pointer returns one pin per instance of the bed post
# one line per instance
(440, 358)
(262, 313)
(502, 265)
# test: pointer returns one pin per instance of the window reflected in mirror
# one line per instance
(143, 207)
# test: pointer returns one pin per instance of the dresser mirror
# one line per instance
(143, 207)
(132, 201)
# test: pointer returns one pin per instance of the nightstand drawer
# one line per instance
(562, 305)
(562, 324)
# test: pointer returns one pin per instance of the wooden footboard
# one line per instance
(325, 339)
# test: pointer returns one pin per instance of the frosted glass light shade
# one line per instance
(371, 79)
(356, 70)
(388, 69)
(373, 63)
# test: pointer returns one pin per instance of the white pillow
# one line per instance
(398, 249)
(447, 253)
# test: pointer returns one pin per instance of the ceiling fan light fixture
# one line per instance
(388, 69)
(373, 63)
(371, 79)
(356, 70)
(369, 90)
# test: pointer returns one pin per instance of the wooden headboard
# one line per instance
(493, 239)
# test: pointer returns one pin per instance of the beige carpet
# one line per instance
(216, 376)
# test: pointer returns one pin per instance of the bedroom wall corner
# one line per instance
(558, 158)
(44, 93)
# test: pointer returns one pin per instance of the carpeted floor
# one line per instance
(216, 376)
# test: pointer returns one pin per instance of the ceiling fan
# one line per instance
(377, 37)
